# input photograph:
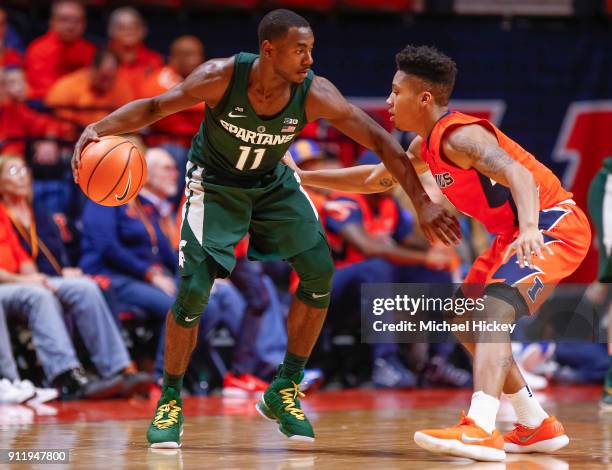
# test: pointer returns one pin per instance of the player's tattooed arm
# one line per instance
(326, 102)
(473, 146)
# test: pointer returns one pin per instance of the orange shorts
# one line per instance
(566, 231)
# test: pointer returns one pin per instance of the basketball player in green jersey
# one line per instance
(255, 106)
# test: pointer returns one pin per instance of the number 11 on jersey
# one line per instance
(244, 155)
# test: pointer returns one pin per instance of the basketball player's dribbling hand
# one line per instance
(530, 241)
(437, 222)
(89, 135)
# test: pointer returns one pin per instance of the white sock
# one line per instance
(483, 410)
(528, 410)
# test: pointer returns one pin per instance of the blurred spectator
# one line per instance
(24, 292)
(174, 133)
(126, 33)
(60, 51)
(8, 56)
(89, 94)
(372, 240)
(131, 244)
(20, 125)
(15, 84)
(80, 296)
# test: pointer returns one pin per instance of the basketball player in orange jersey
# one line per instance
(542, 237)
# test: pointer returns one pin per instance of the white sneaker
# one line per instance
(37, 395)
(11, 395)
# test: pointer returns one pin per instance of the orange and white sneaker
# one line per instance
(549, 436)
(465, 439)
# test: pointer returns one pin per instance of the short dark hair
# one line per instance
(101, 55)
(277, 23)
(430, 65)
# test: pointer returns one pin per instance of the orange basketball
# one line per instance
(112, 171)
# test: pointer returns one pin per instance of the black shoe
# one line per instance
(136, 383)
(75, 385)
(99, 389)
(71, 384)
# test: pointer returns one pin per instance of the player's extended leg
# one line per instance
(495, 370)
(182, 323)
(280, 402)
(475, 435)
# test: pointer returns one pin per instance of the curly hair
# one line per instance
(430, 65)
(277, 23)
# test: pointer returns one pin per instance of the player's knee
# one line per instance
(192, 298)
(316, 273)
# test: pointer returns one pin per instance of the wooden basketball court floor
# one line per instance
(355, 429)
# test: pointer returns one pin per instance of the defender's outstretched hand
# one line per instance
(89, 135)
(436, 221)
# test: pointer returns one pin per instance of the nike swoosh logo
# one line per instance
(526, 438)
(232, 115)
(187, 319)
(318, 296)
(465, 438)
(127, 188)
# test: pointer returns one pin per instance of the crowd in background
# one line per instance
(87, 287)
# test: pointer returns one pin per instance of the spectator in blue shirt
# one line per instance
(131, 244)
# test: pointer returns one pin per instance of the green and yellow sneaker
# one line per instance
(166, 428)
(280, 403)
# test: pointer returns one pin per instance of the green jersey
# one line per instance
(234, 144)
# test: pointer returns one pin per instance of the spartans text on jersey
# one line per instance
(256, 138)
